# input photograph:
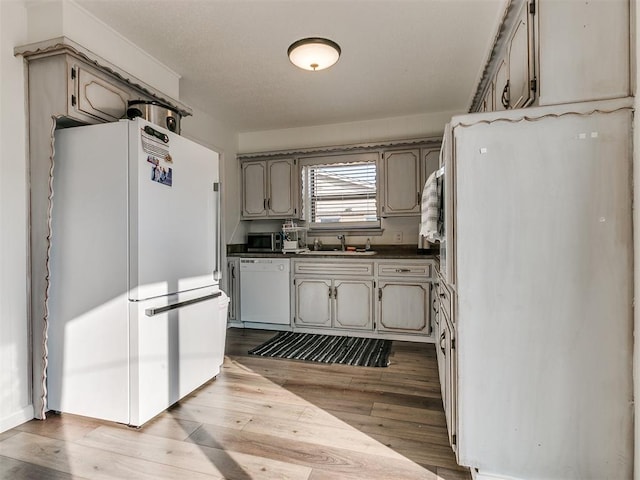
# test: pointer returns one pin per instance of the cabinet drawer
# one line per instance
(334, 268)
(404, 269)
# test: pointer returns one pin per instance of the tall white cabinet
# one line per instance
(542, 272)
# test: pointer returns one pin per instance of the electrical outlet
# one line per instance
(397, 237)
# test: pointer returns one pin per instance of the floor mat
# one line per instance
(364, 352)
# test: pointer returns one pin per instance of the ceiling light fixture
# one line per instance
(314, 53)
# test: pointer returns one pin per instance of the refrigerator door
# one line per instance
(173, 212)
(177, 344)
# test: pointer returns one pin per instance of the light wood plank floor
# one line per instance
(265, 419)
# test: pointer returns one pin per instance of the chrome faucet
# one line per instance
(342, 242)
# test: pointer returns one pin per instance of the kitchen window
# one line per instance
(340, 193)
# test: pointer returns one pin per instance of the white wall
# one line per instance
(15, 399)
(56, 18)
(393, 128)
(215, 134)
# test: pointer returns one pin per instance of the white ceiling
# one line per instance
(399, 57)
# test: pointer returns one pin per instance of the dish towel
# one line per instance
(430, 210)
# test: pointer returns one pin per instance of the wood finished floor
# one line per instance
(261, 418)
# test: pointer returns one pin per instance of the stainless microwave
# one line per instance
(264, 242)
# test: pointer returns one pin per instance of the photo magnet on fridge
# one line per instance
(162, 175)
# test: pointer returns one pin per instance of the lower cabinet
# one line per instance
(353, 304)
(233, 289)
(445, 336)
(385, 297)
(327, 295)
(313, 302)
(404, 307)
(404, 296)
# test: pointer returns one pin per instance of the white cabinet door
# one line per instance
(269, 189)
(520, 60)
(429, 160)
(353, 304)
(402, 188)
(254, 190)
(233, 288)
(404, 307)
(97, 95)
(502, 86)
(591, 61)
(313, 302)
(282, 180)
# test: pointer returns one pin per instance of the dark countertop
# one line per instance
(400, 252)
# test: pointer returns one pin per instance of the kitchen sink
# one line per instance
(346, 253)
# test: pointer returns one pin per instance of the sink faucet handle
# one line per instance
(342, 241)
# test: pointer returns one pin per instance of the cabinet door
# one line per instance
(404, 307)
(591, 62)
(441, 355)
(353, 304)
(520, 62)
(449, 381)
(313, 302)
(254, 192)
(430, 158)
(281, 201)
(402, 189)
(95, 95)
(502, 86)
(233, 288)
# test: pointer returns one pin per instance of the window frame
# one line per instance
(318, 228)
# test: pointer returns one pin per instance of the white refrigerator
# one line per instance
(541, 253)
(136, 319)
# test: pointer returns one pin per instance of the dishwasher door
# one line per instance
(264, 290)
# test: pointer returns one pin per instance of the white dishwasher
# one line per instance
(264, 290)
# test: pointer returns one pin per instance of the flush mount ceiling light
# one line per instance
(314, 53)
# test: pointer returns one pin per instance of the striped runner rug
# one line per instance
(364, 352)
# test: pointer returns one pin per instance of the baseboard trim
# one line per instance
(17, 418)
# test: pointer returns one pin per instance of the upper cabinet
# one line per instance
(583, 50)
(272, 181)
(429, 162)
(401, 186)
(550, 52)
(91, 93)
(80, 88)
(513, 83)
(269, 189)
(403, 175)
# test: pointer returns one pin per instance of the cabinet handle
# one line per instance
(402, 270)
(269, 204)
(505, 95)
(233, 272)
(264, 204)
(329, 292)
(335, 293)
(380, 294)
(442, 346)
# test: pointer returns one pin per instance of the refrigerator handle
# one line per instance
(150, 312)
(217, 272)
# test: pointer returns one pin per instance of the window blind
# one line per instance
(340, 192)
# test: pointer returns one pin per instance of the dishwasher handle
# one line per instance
(150, 312)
